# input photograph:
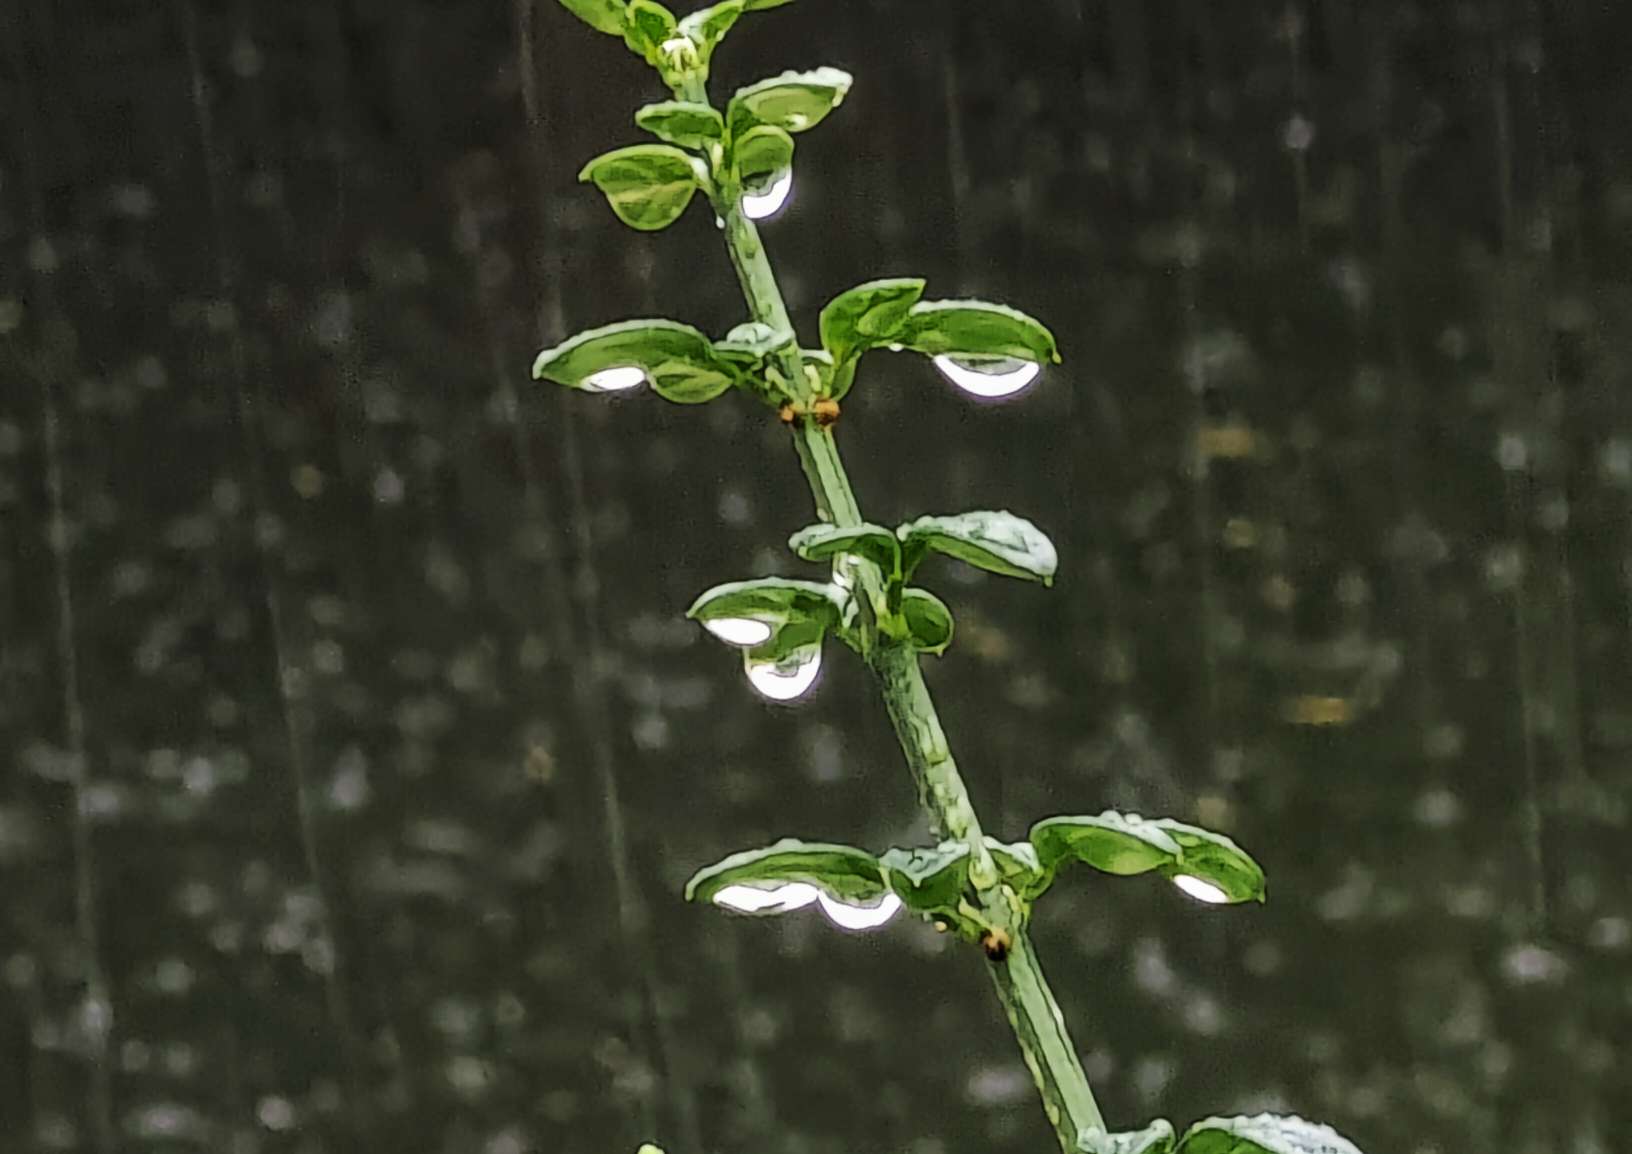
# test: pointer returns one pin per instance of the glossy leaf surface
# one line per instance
(648, 26)
(996, 541)
(929, 621)
(647, 185)
(761, 152)
(869, 314)
(677, 360)
(976, 328)
(706, 27)
(774, 599)
(1157, 1138)
(1215, 858)
(682, 122)
(842, 872)
(1263, 1134)
(1115, 843)
(602, 15)
(793, 101)
(928, 879)
(874, 542)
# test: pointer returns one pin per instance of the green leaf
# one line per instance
(928, 879)
(842, 872)
(682, 122)
(1112, 842)
(761, 153)
(706, 27)
(750, 343)
(775, 602)
(869, 314)
(976, 329)
(602, 15)
(874, 542)
(1215, 859)
(762, 5)
(1263, 1134)
(1019, 866)
(676, 359)
(647, 185)
(1157, 1138)
(793, 101)
(647, 28)
(929, 621)
(998, 542)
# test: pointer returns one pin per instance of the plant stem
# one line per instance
(1029, 1003)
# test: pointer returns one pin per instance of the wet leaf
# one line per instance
(1157, 1138)
(748, 345)
(1112, 842)
(1019, 866)
(1214, 858)
(1263, 1134)
(761, 152)
(602, 15)
(869, 314)
(777, 601)
(873, 542)
(706, 27)
(842, 872)
(793, 101)
(682, 122)
(997, 541)
(676, 359)
(976, 328)
(647, 185)
(928, 879)
(929, 621)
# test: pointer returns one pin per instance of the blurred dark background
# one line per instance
(355, 751)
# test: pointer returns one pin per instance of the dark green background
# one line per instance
(382, 824)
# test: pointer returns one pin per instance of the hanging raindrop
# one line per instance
(787, 679)
(739, 630)
(1200, 890)
(767, 195)
(615, 379)
(849, 917)
(988, 376)
(759, 900)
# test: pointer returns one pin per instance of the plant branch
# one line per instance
(1029, 1003)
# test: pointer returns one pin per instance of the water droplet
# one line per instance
(767, 196)
(788, 678)
(615, 379)
(988, 376)
(1202, 891)
(739, 630)
(761, 900)
(849, 917)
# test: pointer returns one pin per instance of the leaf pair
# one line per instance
(1207, 865)
(889, 313)
(778, 623)
(647, 27)
(678, 361)
(994, 540)
(1258, 1134)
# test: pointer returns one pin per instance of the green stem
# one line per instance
(1027, 1000)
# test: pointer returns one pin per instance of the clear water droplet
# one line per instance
(739, 630)
(615, 379)
(787, 679)
(1202, 891)
(762, 900)
(849, 917)
(988, 376)
(767, 196)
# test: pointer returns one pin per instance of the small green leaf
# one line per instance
(761, 153)
(1020, 867)
(750, 343)
(763, 5)
(976, 329)
(602, 15)
(1157, 1138)
(1214, 859)
(998, 542)
(682, 122)
(1263, 1134)
(706, 27)
(844, 873)
(776, 602)
(874, 542)
(647, 185)
(675, 359)
(929, 621)
(1112, 842)
(647, 28)
(928, 879)
(793, 101)
(869, 314)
